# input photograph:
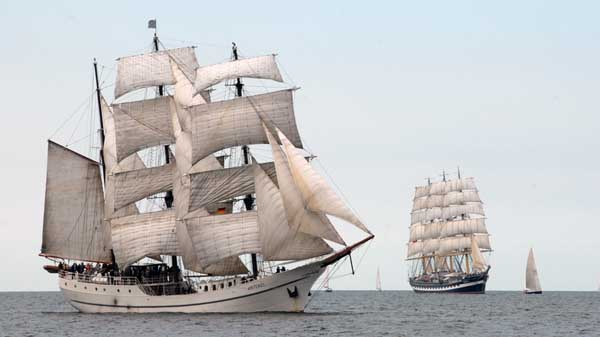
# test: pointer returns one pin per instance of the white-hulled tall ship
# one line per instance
(210, 214)
(447, 237)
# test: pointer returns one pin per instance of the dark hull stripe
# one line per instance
(474, 289)
(191, 304)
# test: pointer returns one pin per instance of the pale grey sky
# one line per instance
(392, 92)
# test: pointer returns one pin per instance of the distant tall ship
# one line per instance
(532, 280)
(448, 235)
(221, 221)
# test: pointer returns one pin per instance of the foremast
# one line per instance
(448, 231)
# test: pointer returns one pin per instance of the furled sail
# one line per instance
(147, 234)
(299, 217)
(532, 280)
(153, 69)
(131, 186)
(458, 243)
(317, 193)
(142, 124)
(467, 226)
(278, 240)
(220, 125)
(216, 185)
(216, 237)
(479, 263)
(73, 210)
(263, 67)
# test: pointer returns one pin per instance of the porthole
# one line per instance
(222, 286)
(85, 288)
(74, 286)
(96, 289)
(65, 283)
(229, 284)
(104, 289)
(118, 290)
(129, 290)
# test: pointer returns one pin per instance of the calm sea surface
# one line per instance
(340, 313)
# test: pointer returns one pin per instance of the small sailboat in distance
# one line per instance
(378, 281)
(326, 286)
(532, 281)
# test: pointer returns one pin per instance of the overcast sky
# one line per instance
(391, 93)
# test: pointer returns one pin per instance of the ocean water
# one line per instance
(340, 313)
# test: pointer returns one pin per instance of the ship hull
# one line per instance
(282, 292)
(473, 284)
(531, 292)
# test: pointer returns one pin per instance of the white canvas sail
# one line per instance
(217, 185)
(317, 193)
(263, 67)
(479, 263)
(137, 236)
(459, 243)
(278, 240)
(224, 124)
(131, 186)
(532, 280)
(73, 210)
(142, 124)
(299, 217)
(153, 69)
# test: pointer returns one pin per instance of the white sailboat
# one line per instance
(210, 216)
(532, 280)
(378, 281)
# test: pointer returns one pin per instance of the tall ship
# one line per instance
(448, 238)
(204, 226)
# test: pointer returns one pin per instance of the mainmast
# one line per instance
(99, 97)
(161, 92)
(248, 200)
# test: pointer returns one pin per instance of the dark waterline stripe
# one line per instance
(193, 304)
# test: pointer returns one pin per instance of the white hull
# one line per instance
(269, 293)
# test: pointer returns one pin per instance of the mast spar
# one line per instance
(161, 92)
(99, 97)
(248, 200)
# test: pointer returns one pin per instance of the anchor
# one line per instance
(294, 293)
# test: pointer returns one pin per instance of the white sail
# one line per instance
(459, 243)
(185, 95)
(137, 236)
(425, 231)
(452, 198)
(132, 186)
(278, 240)
(414, 248)
(263, 67)
(220, 125)
(299, 217)
(479, 264)
(217, 185)
(467, 226)
(378, 281)
(445, 187)
(422, 191)
(73, 210)
(216, 237)
(143, 124)
(317, 193)
(532, 280)
(430, 246)
(445, 213)
(153, 69)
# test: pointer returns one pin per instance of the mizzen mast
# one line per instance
(99, 97)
